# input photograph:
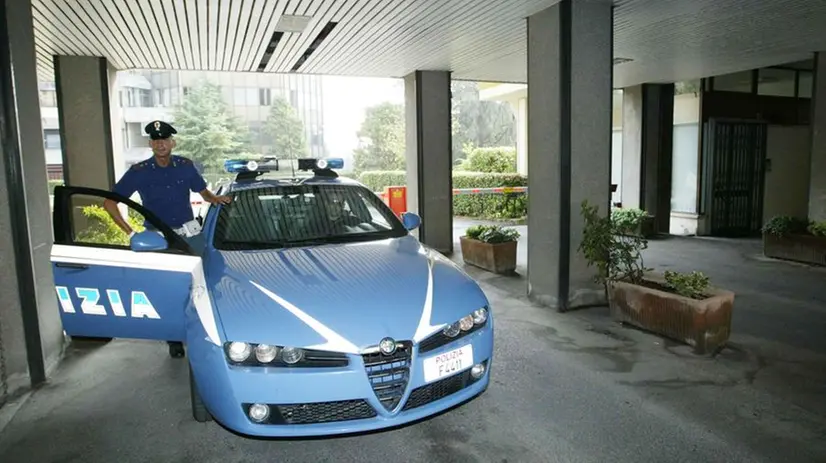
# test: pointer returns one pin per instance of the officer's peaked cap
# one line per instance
(158, 130)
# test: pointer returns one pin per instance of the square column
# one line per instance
(429, 140)
(569, 145)
(817, 181)
(84, 90)
(647, 140)
(31, 334)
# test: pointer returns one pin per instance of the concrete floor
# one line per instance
(566, 387)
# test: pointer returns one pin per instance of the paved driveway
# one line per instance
(566, 387)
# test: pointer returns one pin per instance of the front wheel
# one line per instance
(199, 411)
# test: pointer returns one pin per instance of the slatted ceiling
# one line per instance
(475, 39)
(351, 32)
(265, 28)
(402, 30)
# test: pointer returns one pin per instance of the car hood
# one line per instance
(339, 297)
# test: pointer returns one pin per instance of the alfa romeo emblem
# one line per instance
(387, 346)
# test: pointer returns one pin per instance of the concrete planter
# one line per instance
(497, 258)
(807, 249)
(704, 324)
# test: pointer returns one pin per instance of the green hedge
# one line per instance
(492, 206)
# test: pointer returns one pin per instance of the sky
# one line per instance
(345, 100)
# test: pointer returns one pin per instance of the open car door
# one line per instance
(110, 286)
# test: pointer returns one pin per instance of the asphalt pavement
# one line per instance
(566, 388)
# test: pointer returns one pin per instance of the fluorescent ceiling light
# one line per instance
(291, 23)
(622, 60)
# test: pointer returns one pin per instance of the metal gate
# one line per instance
(734, 170)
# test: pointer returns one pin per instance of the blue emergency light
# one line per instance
(237, 166)
(320, 164)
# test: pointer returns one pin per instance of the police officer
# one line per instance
(163, 182)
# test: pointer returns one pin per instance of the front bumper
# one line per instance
(331, 401)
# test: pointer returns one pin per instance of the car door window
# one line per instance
(92, 224)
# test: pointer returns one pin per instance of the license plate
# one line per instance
(448, 363)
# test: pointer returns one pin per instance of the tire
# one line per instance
(199, 411)
(176, 350)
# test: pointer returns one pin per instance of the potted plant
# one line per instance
(490, 247)
(683, 307)
(633, 221)
(795, 239)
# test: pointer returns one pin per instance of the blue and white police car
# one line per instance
(306, 305)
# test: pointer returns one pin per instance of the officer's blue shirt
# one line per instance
(163, 190)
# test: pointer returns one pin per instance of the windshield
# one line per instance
(300, 215)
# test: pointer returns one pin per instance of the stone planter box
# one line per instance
(497, 258)
(808, 249)
(703, 324)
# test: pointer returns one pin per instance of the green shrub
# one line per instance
(693, 285)
(627, 220)
(616, 256)
(486, 206)
(817, 228)
(493, 234)
(784, 224)
(102, 229)
(491, 160)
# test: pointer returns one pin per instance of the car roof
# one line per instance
(242, 185)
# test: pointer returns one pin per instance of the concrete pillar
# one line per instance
(31, 334)
(817, 180)
(647, 140)
(84, 90)
(428, 151)
(569, 145)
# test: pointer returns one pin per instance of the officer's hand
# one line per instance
(221, 200)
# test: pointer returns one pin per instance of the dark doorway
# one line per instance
(734, 169)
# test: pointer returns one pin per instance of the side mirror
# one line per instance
(411, 221)
(148, 241)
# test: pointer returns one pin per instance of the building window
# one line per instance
(738, 82)
(776, 82)
(264, 96)
(684, 168)
(51, 139)
(145, 98)
(48, 98)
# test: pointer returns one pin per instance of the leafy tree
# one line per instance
(208, 132)
(382, 132)
(285, 131)
(477, 123)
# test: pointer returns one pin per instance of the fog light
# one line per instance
(259, 412)
(477, 370)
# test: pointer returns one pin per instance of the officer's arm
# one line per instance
(125, 187)
(199, 185)
(112, 208)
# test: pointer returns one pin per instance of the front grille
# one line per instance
(318, 412)
(389, 374)
(326, 412)
(440, 389)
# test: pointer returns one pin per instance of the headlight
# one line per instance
(479, 316)
(270, 355)
(265, 353)
(292, 355)
(239, 351)
(452, 330)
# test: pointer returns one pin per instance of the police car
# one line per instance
(307, 308)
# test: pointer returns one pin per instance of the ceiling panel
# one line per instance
(666, 40)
